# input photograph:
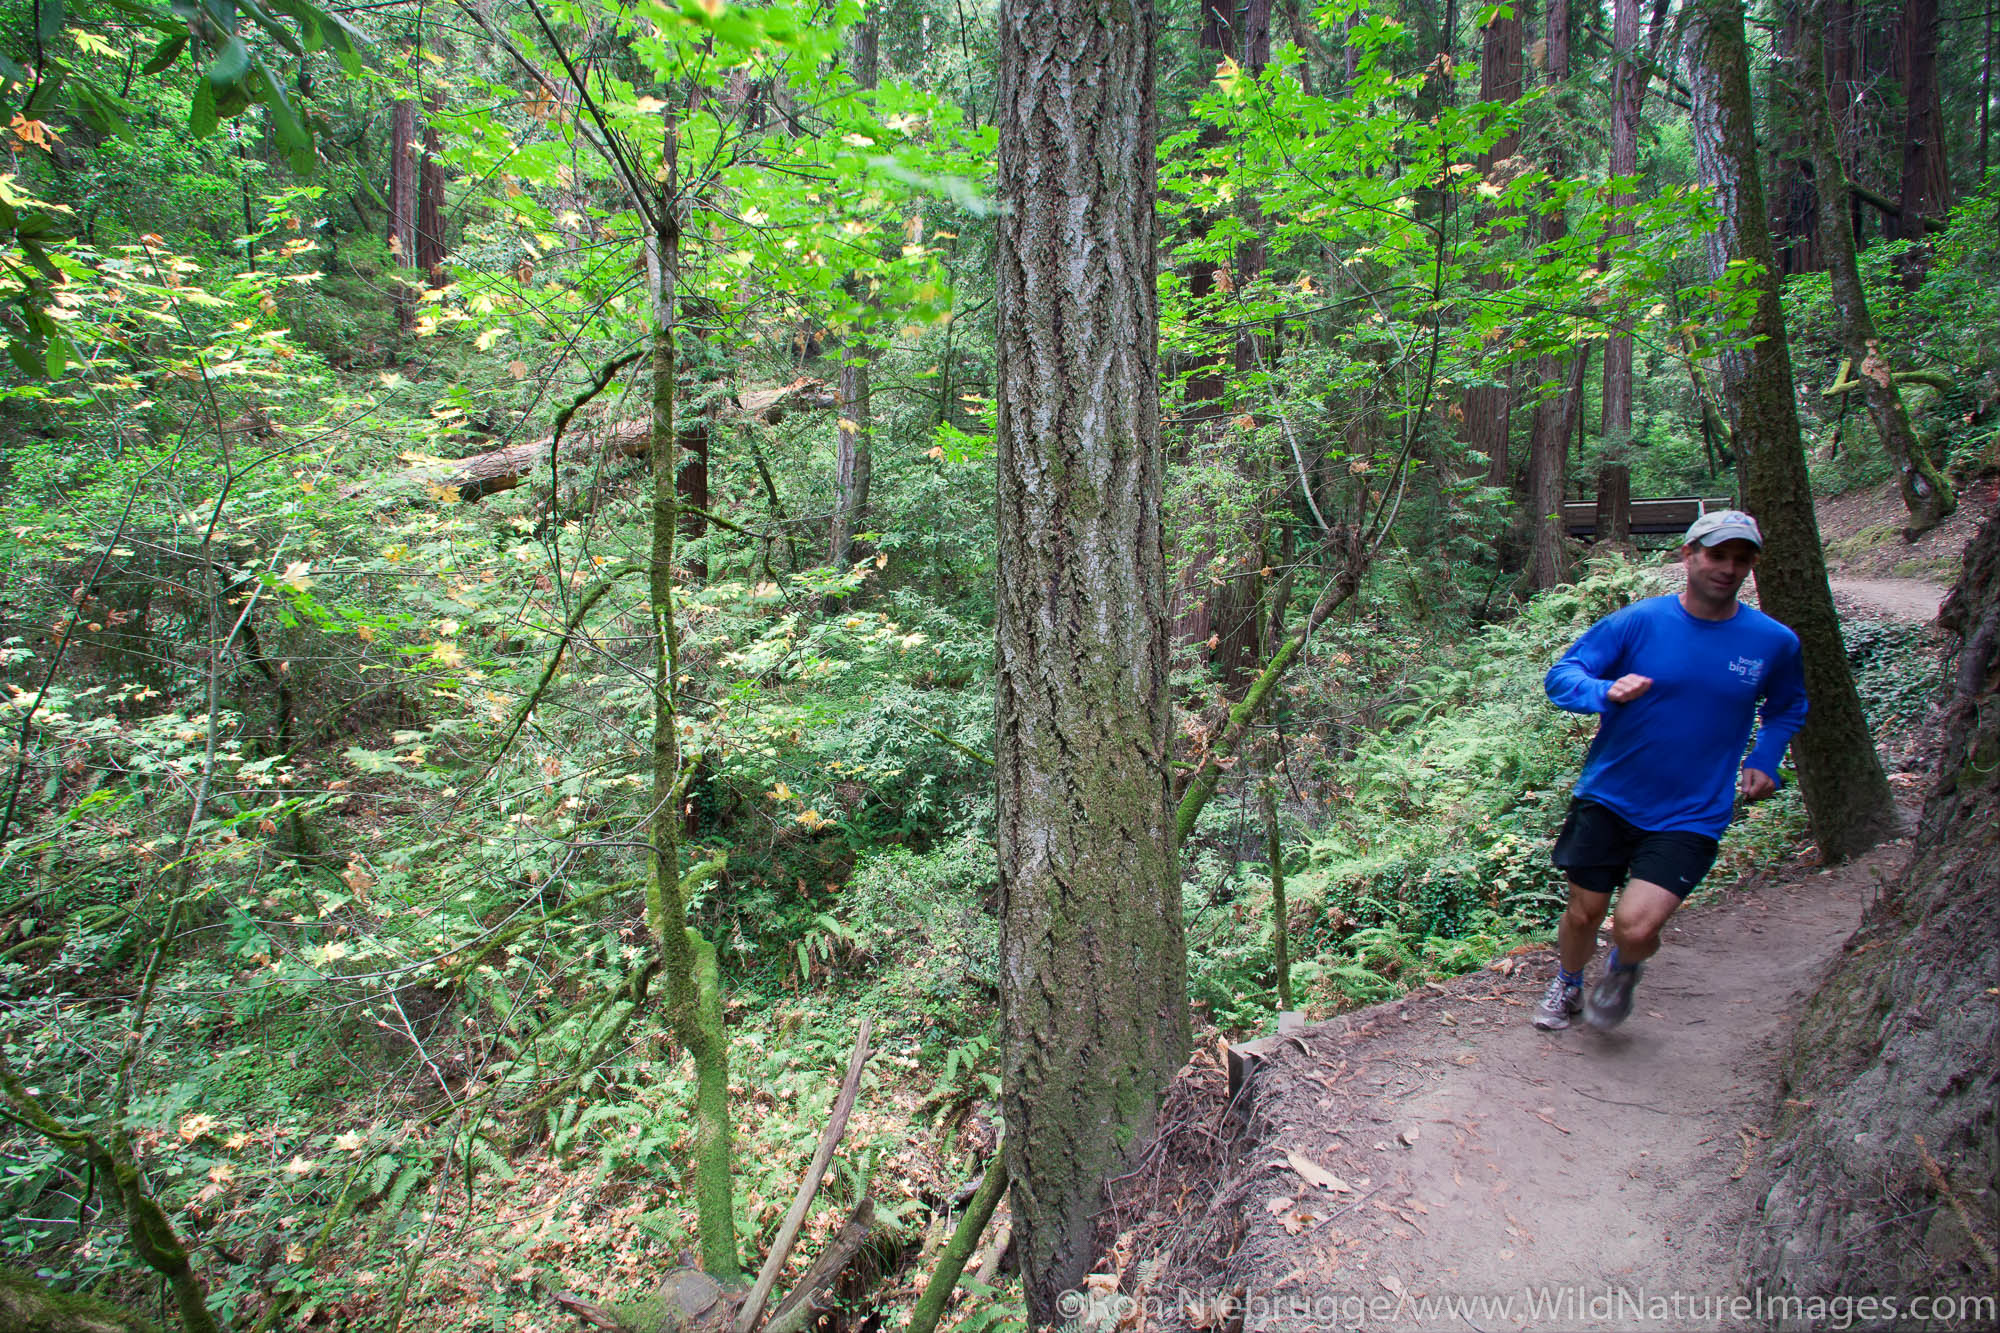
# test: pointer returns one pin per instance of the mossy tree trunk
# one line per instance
(1847, 795)
(1927, 492)
(1093, 987)
(694, 1000)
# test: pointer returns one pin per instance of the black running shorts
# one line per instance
(1598, 848)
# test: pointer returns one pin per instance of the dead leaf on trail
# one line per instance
(1550, 1123)
(1277, 1206)
(1315, 1174)
(1410, 1135)
(1297, 1221)
(1467, 1059)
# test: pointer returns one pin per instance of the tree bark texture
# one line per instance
(1926, 177)
(1557, 409)
(1614, 504)
(1793, 196)
(1927, 493)
(1488, 408)
(1847, 797)
(1093, 986)
(430, 247)
(853, 460)
(403, 201)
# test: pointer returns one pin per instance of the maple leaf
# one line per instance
(349, 1142)
(196, 1125)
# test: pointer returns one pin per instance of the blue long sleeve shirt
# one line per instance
(1668, 759)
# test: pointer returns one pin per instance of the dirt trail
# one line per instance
(1898, 599)
(1485, 1159)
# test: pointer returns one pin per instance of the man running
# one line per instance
(1678, 682)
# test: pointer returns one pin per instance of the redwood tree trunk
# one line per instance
(1489, 407)
(1094, 1013)
(1926, 179)
(403, 198)
(1847, 796)
(1927, 492)
(430, 248)
(1556, 411)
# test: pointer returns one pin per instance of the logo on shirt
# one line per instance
(1750, 668)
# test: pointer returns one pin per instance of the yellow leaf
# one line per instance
(197, 1125)
(812, 819)
(295, 575)
(848, 425)
(237, 1141)
(300, 1166)
(349, 1142)
(518, 369)
(780, 793)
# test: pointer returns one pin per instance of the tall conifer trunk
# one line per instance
(1847, 796)
(1489, 408)
(1926, 178)
(854, 462)
(1093, 987)
(1556, 411)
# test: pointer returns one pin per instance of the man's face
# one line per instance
(1718, 571)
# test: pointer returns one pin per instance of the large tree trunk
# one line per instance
(1489, 408)
(1794, 201)
(1557, 409)
(430, 247)
(1886, 1175)
(1094, 1013)
(1847, 796)
(1927, 493)
(1926, 177)
(403, 199)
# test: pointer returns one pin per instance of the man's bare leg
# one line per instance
(1643, 910)
(1576, 933)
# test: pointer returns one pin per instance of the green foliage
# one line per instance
(1437, 859)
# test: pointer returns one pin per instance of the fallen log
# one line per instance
(503, 469)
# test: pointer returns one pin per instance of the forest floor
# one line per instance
(1438, 1163)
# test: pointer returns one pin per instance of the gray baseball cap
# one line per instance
(1721, 526)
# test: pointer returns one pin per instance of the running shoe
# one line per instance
(1610, 1000)
(1560, 1003)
